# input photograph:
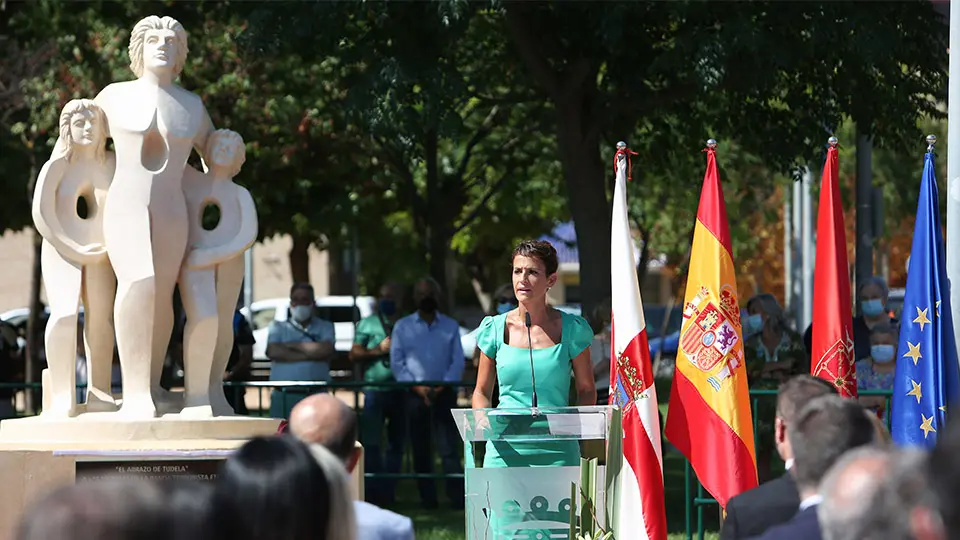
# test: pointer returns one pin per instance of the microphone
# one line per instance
(533, 375)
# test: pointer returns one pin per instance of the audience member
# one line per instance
(877, 370)
(883, 437)
(825, 428)
(425, 347)
(274, 488)
(942, 521)
(772, 352)
(240, 362)
(874, 294)
(299, 349)
(119, 509)
(902, 500)
(324, 420)
(849, 490)
(600, 351)
(382, 406)
(774, 502)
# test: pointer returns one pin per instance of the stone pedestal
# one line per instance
(38, 455)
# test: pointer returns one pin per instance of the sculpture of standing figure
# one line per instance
(155, 125)
(68, 206)
(212, 273)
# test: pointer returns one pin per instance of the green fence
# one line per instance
(697, 500)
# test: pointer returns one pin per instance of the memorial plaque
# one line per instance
(188, 469)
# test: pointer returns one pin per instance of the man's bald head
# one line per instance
(325, 420)
(849, 492)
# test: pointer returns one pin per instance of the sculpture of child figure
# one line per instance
(212, 274)
(67, 211)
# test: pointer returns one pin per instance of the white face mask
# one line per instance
(301, 313)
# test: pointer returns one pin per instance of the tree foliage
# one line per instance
(440, 133)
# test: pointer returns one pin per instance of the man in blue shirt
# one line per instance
(299, 349)
(425, 347)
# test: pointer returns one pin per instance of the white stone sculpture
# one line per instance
(74, 259)
(212, 273)
(155, 125)
(142, 235)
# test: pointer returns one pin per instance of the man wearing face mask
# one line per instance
(425, 347)
(299, 349)
(877, 370)
(381, 406)
(873, 294)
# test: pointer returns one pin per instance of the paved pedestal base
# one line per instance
(99, 427)
(38, 455)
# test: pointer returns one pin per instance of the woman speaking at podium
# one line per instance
(536, 336)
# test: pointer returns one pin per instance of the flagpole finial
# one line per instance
(931, 140)
(833, 142)
(711, 143)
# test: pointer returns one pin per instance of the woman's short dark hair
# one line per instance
(541, 250)
(271, 488)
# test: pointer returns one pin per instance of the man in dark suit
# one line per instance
(753, 512)
(826, 428)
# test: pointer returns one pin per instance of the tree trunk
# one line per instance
(300, 259)
(587, 195)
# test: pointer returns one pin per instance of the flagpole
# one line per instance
(953, 171)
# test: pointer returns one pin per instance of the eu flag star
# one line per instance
(915, 391)
(927, 425)
(938, 308)
(922, 318)
(913, 353)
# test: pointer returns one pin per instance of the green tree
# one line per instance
(434, 95)
(776, 76)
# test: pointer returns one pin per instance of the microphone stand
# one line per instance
(533, 375)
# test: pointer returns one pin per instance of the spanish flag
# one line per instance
(709, 419)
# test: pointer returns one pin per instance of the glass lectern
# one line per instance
(521, 501)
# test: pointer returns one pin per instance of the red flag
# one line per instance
(831, 351)
(642, 512)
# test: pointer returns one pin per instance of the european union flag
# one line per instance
(927, 379)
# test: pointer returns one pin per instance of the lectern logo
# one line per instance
(539, 523)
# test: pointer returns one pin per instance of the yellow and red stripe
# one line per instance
(709, 418)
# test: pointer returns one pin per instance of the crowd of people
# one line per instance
(844, 479)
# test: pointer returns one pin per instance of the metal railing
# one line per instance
(697, 500)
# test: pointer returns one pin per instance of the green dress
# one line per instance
(553, 370)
